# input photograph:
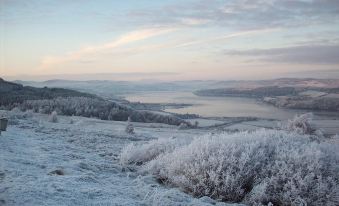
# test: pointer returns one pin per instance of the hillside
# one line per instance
(13, 93)
(88, 162)
(63, 163)
(69, 102)
(116, 90)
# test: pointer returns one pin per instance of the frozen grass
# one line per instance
(54, 164)
(260, 167)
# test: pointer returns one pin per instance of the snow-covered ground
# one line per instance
(311, 93)
(328, 126)
(64, 163)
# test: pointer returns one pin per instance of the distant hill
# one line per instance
(282, 82)
(310, 97)
(115, 89)
(17, 93)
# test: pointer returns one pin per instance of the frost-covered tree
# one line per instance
(91, 107)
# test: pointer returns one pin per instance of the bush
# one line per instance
(284, 168)
(129, 127)
(16, 110)
(71, 120)
(28, 114)
(15, 113)
(183, 125)
(300, 124)
(53, 117)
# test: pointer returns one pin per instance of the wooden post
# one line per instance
(3, 124)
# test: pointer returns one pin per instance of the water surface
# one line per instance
(213, 106)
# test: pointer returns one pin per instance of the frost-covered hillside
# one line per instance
(62, 160)
(74, 161)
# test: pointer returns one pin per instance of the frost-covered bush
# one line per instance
(28, 114)
(259, 167)
(15, 113)
(129, 127)
(183, 125)
(71, 120)
(16, 110)
(140, 154)
(53, 117)
(300, 124)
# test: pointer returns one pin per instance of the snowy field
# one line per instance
(85, 161)
(76, 162)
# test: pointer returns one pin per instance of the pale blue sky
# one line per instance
(205, 39)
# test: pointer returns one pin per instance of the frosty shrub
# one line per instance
(183, 125)
(140, 154)
(28, 114)
(16, 110)
(53, 117)
(71, 120)
(256, 168)
(300, 124)
(15, 113)
(129, 127)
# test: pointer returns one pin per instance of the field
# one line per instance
(76, 160)
(63, 163)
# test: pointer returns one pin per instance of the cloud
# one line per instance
(307, 54)
(131, 37)
(242, 14)
(89, 55)
(194, 21)
(224, 37)
(238, 14)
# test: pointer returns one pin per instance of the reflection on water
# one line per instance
(213, 106)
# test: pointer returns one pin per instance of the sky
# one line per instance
(169, 39)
